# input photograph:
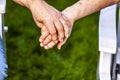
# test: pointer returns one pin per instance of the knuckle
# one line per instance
(49, 38)
(46, 41)
(54, 13)
(47, 20)
(54, 38)
(49, 45)
(53, 32)
(62, 36)
(48, 17)
(60, 28)
(39, 25)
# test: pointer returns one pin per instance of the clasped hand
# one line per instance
(55, 26)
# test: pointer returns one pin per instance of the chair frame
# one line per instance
(109, 44)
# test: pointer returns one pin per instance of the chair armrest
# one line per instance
(2, 6)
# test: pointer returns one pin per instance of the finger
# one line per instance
(52, 31)
(43, 29)
(41, 44)
(44, 35)
(46, 47)
(50, 45)
(60, 44)
(66, 25)
(60, 30)
(47, 40)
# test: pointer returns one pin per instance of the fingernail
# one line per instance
(46, 47)
(56, 41)
(40, 40)
(59, 48)
(41, 45)
(42, 33)
(67, 35)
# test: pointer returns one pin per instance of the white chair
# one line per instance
(2, 11)
(109, 44)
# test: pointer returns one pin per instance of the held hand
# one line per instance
(46, 15)
(46, 39)
(48, 43)
(67, 13)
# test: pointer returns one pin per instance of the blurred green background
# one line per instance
(77, 60)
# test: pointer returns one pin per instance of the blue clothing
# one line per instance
(3, 65)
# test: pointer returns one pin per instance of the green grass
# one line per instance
(77, 60)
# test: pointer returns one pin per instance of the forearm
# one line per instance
(26, 3)
(86, 7)
(22, 2)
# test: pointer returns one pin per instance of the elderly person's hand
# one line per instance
(46, 15)
(48, 43)
(55, 26)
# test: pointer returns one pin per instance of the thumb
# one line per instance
(60, 44)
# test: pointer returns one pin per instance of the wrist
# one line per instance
(70, 14)
(78, 11)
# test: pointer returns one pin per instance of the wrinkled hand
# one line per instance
(48, 43)
(46, 15)
(68, 13)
